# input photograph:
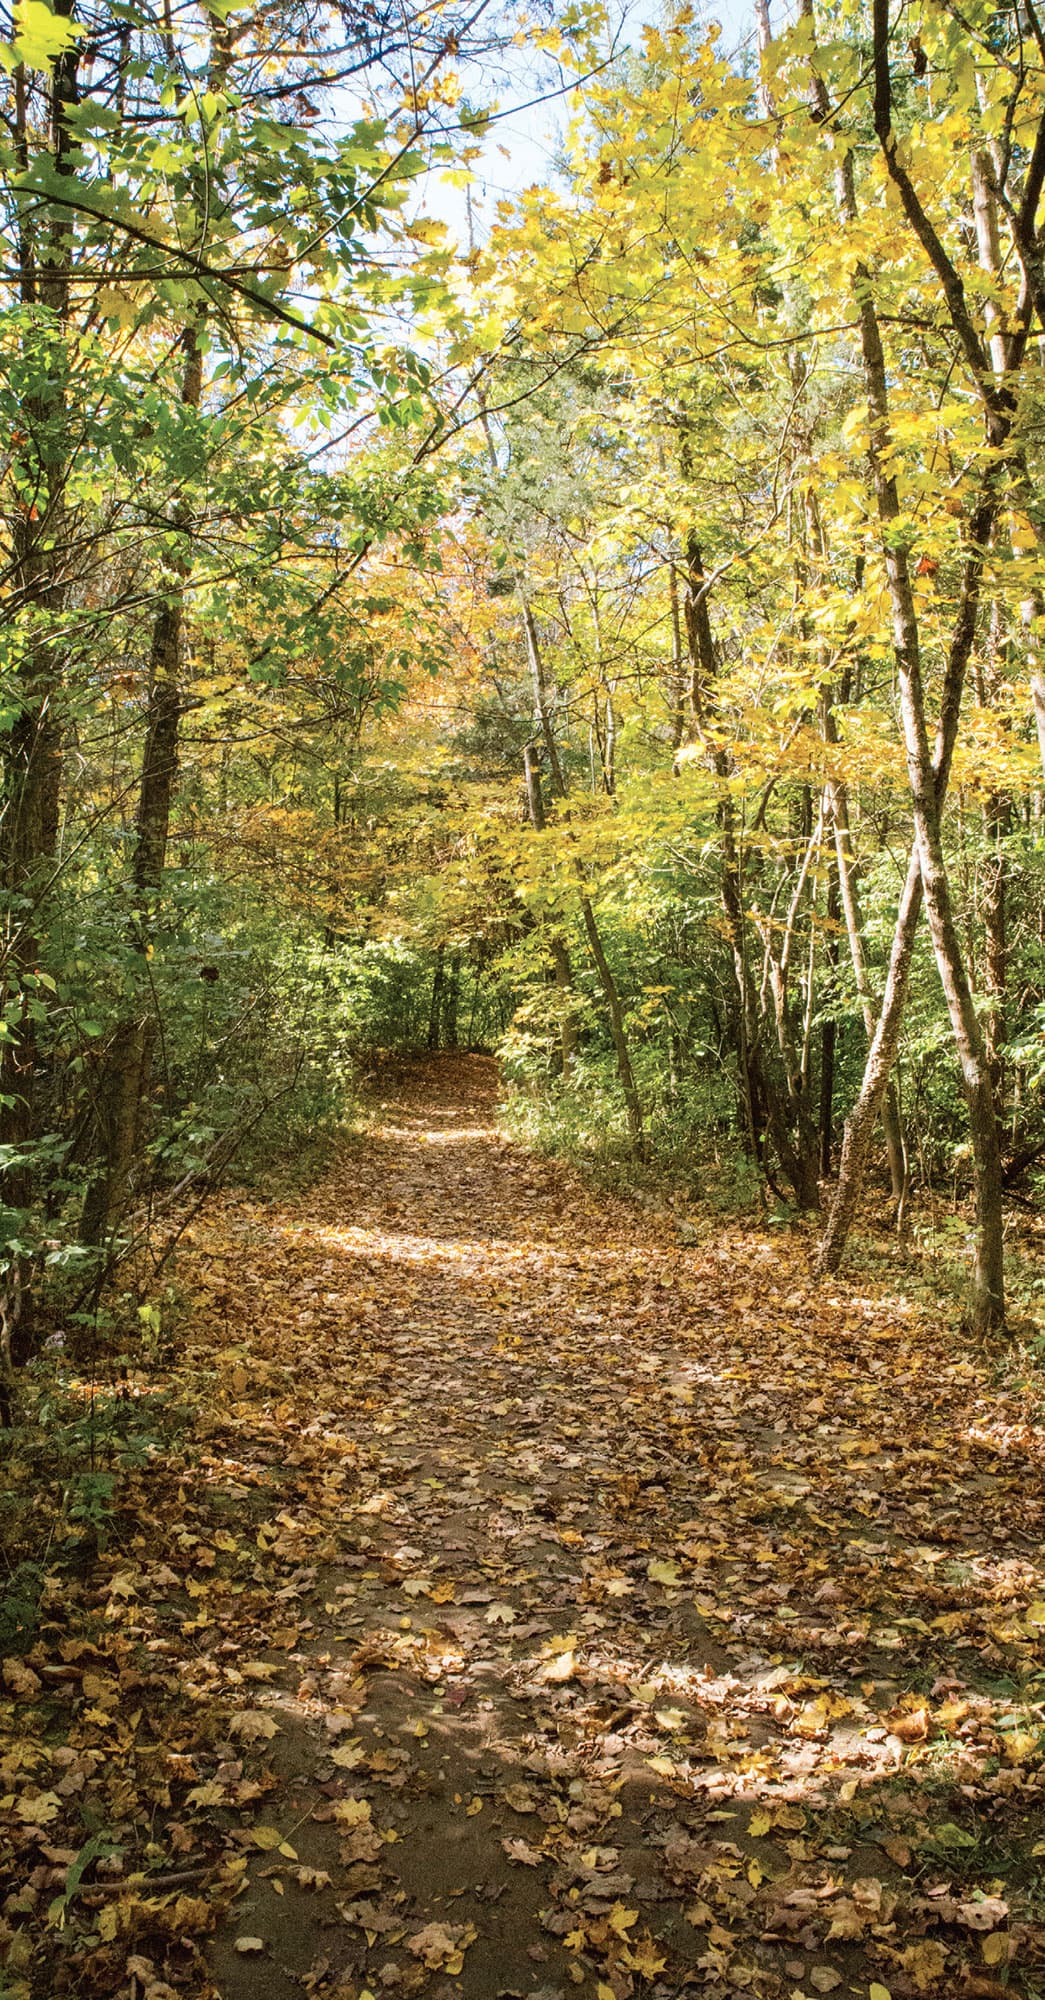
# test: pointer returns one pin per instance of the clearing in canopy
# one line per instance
(522, 1000)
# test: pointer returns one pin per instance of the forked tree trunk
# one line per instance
(988, 1300)
(927, 773)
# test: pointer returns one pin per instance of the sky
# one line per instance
(521, 144)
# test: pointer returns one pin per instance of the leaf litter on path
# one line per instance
(539, 1604)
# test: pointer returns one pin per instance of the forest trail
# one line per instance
(665, 1585)
(544, 1605)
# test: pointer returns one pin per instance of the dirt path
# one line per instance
(577, 1610)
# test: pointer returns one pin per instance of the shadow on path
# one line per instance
(637, 1618)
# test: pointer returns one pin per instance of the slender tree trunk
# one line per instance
(632, 1101)
(126, 1073)
(829, 1031)
(926, 773)
(678, 671)
(760, 1098)
(451, 1002)
(560, 957)
(988, 1307)
(995, 900)
(435, 1011)
(988, 1302)
(846, 879)
(32, 752)
(541, 699)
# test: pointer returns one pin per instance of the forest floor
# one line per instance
(526, 1602)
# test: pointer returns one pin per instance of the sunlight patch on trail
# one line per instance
(361, 1240)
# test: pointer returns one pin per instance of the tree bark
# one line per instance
(760, 1098)
(988, 1301)
(127, 1063)
(846, 877)
(927, 773)
(32, 752)
(435, 1014)
(541, 702)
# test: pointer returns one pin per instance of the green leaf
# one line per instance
(40, 36)
(949, 1835)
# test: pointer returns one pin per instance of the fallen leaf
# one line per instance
(663, 1572)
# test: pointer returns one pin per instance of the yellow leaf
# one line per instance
(644, 1960)
(621, 1919)
(876, 1992)
(996, 1948)
(562, 1668)
(253, 1725)
(210, 1794)
(664, 1572)
(39, 1811)
(351, 1812)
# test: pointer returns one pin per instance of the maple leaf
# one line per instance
(253, 1725)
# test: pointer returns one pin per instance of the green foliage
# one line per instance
(20, 1595)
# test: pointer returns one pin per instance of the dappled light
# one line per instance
(555, 1606)
(522, 1000)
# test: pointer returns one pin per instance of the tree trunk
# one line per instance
(32, 752)
(611, 995)
(846, 878)
(540, 697)
(829, 1032)
(988, 1302)
(927, 774)
(560, 957)
(451, 1002)
(678, 671)
(760, 1099)
(127, 1065)
(993, 878)
(435, 1011)
(632, 1101)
